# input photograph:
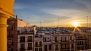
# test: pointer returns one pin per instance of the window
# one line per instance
(11, 26)
(29, 38)
(65, 38)
(45, 47)
(72, 46)
(10, 49)
(44, 39)
(82, 48)
(40, 49)
(49, 47)
(70, 37)
(36, 44)
(30, 46)
(56, 47)
(22, 46)
(9, 41)
(40, 43)
(22, 39)
(55, 39)
(65, 45)
(82, 42)
(61, 38)
(36, 49)
(10, 34)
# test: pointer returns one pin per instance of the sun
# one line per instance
(76, 24)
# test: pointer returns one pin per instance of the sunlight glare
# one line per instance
(75, 24)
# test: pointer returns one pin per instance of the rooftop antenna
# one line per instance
(22, 17)
(40, 23)
(28, 19)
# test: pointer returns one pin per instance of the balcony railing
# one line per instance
(29, 48)
(10, 27)
(30, 40)
(21, 49)
(10, 36)
(10, 50)
(22, 40)
(36, 45)
(56, 48)
(65, 48)
(56, 41)
(10, 43)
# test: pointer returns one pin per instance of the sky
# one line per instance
(48, 11)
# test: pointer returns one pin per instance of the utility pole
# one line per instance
(87, 21)
(58, 22)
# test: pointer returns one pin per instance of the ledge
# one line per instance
(6, 13)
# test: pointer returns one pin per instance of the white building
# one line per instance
(26, 40)
(52, 39)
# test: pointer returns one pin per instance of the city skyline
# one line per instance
(48, 12)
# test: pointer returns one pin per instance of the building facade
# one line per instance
(12, 34)
(14, 24)
(58, 39)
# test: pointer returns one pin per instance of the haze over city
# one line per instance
(48, 12)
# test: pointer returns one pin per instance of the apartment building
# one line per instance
(47, 42)
(63, 40)
(38, 42)
(12, 34)
(14, 24)
(26, 40)
(55, 39)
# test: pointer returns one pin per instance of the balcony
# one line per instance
(10, 43)
(47, 41)
(22, 40)
(10, 50)
(30, 40)
(65, 41)
(37, 38)
(55, 41)
(56, 48)
(65, 48)
(10, 27)
(22, 49)
(10, 36)
(38, 45)
(29, 48)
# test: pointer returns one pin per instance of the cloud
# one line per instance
(67, 15)
(66, 12)
(49, 11)
(87, 3)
